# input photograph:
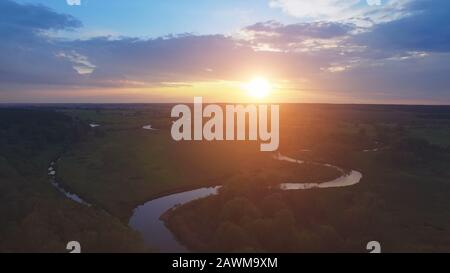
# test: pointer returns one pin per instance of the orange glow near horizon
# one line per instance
(257, 89)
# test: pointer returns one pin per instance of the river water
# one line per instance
(146, 218)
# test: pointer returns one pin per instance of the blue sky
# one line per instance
(350, 51)
(152, 18)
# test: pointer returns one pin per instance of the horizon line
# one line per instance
(246, 103)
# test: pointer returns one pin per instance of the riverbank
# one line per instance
(154, 217)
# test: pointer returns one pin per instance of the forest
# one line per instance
(34, 216)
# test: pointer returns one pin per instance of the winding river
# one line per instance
(345, 180)
(146, 219)
(148, 127)
(57, 185)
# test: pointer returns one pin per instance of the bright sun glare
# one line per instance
(258, 88)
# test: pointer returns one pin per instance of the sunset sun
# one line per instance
(258, 88)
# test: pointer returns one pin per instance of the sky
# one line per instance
(327, 51)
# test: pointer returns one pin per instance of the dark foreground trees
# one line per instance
(35, 217)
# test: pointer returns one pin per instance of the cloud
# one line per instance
(315, 8)
(323, 30)
(359, 12)
(312, 36)
(374, 2)
(426, 28)
(74, 2)
(81, 63)
(27, 54)
(32, 18)
(165, 59)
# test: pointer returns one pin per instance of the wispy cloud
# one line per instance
(73, 2)
(359, 12)
(301, 37)
(317, 9)
(374, 2)
(81, 63)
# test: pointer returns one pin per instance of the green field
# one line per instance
(402, 199)
(438, 136)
